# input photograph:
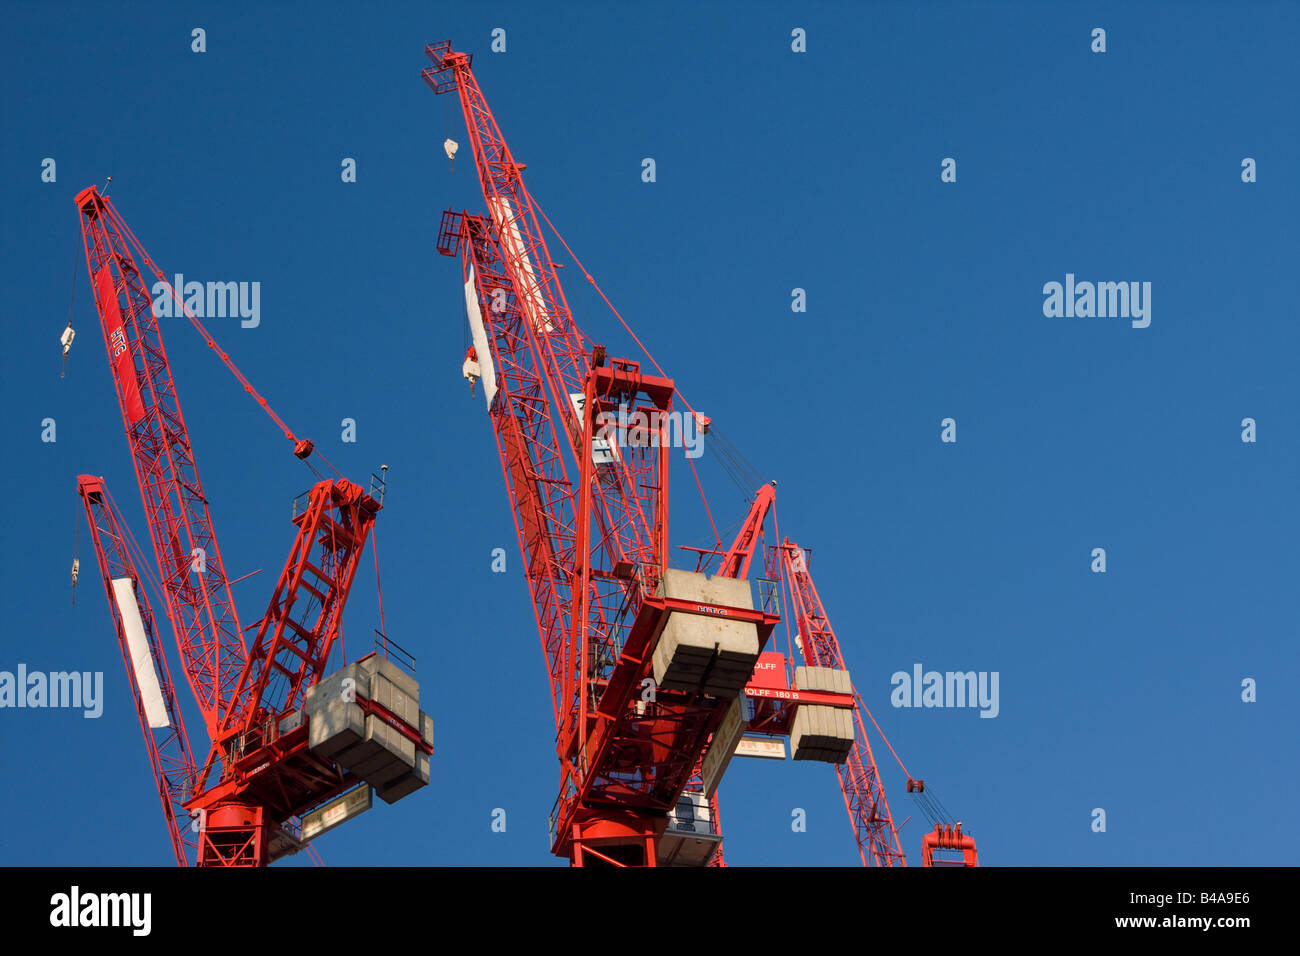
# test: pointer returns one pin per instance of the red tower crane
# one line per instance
(864, 795)
(279, 750)
(652, 668)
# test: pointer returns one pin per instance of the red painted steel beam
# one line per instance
(197, 592)
(168, 745)
(332, 533)
(860, 783)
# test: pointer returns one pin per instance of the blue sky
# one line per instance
(775, 171)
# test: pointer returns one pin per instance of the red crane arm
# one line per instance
(864, 794)
(528, 440)
(289, 653)
(563, 352)
(735, 563)
(194, 582)
(628, 504)
(146, 666)
(593, 529)
(546, 363)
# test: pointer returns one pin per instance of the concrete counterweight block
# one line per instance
(383, 755)
(705, 650)
(368, 744)
(374, 664)
(335, 722)
(417, 776)
(819, 732)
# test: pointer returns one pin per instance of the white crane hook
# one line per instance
(66, 341)
(449, 147)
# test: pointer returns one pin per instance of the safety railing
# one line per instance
(394, 652)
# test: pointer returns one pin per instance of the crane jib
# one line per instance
(110, 314)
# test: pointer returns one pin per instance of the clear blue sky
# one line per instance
(775, 170)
